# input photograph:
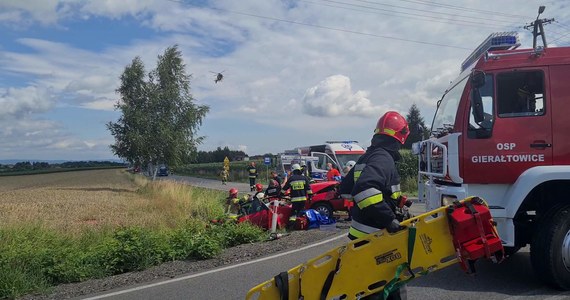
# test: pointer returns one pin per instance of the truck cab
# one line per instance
(500, 132)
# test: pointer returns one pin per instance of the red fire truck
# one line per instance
(500, 132)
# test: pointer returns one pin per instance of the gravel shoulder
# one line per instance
(173, 269)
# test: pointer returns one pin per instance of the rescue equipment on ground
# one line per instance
(381, 262)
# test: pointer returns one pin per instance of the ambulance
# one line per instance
(501, 131)
(316, 157)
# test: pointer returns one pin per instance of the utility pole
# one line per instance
(537, 28)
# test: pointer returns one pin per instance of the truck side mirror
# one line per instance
(477, 81)
(477, 106)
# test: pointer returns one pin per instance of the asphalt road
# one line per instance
(512, 279)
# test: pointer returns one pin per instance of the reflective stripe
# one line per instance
(386, 130)
(363, 228)
(395, 188)
(366, 193)
(298, 185)
(396, 195)
(357, 175)
(358, 170)
(298, 199)
(370, 201)
(355, 233)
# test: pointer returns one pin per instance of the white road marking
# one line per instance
(214, 270)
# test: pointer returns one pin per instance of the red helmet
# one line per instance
(394, 125)
(233, 192)
(258, 187)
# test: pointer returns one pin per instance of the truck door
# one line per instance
(513, 131)
(560, 95)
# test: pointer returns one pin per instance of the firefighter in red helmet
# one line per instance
(373, 183)
(233, 201)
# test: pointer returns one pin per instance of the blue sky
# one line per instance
(297, 72)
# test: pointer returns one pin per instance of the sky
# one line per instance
(296, 72)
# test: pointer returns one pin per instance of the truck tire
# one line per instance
(510, 251)
(324, 209)
(550, 248)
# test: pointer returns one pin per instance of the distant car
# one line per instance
(162, 171)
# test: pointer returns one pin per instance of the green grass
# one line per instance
(34, 257)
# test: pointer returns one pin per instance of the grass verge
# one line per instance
(158, 222)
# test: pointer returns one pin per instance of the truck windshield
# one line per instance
(447, 110)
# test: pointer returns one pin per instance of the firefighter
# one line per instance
(300, 190)
(252, 174)
(233, 202)
(305, 170)
(347, 203)
(276, 177)
(273, 190)
(348, 166)
(374, 183)
(224, 174)
(256, 199)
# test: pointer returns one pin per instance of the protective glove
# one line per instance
(395, 226)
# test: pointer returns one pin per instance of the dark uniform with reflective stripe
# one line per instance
(252, 174)
(373, 184)
(300, 189)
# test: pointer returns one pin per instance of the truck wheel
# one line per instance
(324, 209)
(550, 248)
(510, 251)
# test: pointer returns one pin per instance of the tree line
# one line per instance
(38, 165)
(219, 155)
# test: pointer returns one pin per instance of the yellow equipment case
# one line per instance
(379, 262)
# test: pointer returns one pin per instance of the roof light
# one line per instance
(341, 142)
(495, 41)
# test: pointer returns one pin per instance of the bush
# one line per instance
(132, 249)
(232, 235)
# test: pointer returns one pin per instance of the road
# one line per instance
(510, 280)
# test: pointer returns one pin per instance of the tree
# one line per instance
(417, 126)
(160, 118)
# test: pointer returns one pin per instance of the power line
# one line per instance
(461, 8)
(438, 13)
(415, 16)
(404, 13)
(441, 21)
(326, 27)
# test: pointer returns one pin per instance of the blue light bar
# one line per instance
(495, 41)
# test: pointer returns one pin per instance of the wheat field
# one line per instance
(72, 202)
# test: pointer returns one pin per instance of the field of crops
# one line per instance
(68, 227)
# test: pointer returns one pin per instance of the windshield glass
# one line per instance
(445, 114)
(344, 158)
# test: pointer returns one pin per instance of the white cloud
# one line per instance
(270, 65)
(15, 102)
(334, 97)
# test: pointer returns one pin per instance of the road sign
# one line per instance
(267, 160)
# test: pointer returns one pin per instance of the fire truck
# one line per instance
(338, 153)
(501, 132)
